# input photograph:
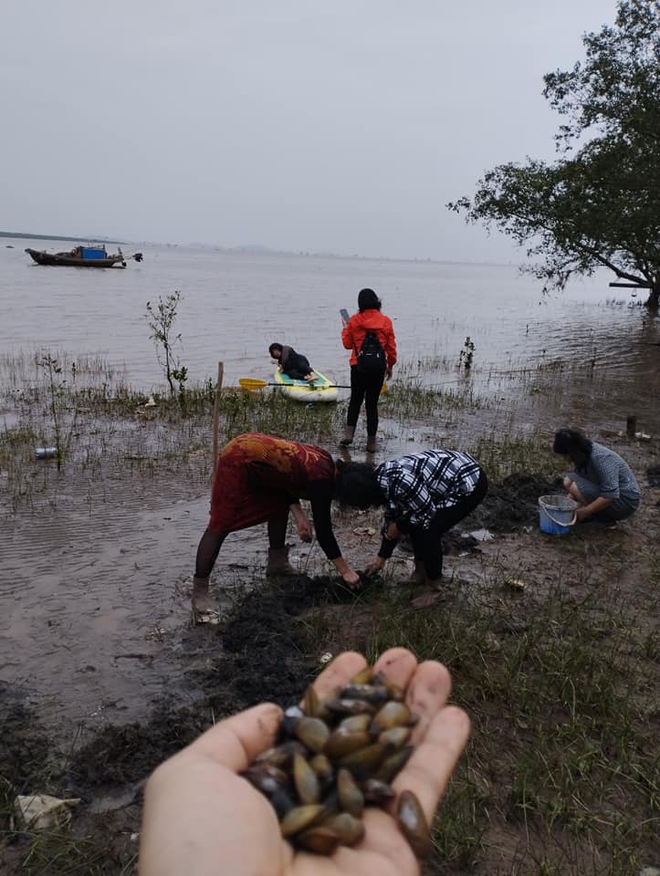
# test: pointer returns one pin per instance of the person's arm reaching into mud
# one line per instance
(320, 496)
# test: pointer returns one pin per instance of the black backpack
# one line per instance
(371, 358)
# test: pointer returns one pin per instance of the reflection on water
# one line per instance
(234, 305)
(96, 620)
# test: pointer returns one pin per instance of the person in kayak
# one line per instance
(293, 364)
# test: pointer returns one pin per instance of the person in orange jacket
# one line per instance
(370, 337)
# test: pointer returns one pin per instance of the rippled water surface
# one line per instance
(94, 620)
(235, 304)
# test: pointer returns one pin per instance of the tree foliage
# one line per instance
(598, 204)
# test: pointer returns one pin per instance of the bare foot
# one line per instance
(202, 603)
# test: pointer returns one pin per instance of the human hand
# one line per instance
(393, 533)
(351, 578)
(374, 567)
(581, 514)
(304, 528)
(388, 373)
(202, 819)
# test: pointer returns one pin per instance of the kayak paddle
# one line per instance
(252, 383)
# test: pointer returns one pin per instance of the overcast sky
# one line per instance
(343, 125)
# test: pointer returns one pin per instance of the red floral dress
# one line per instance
(259, 476)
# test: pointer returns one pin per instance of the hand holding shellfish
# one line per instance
(202, 817)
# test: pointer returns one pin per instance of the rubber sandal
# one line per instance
(209, 616)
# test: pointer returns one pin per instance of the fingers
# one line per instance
(339, 672)
(427, 693)
(439, 736)
(432, 762)
(236, 741)
(398, 664)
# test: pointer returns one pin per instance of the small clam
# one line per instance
(365, 760)
(282, 802)
(351, 798)
(341, 743)
(293, 712)
(321, 840)
(393, 764)
(266, 778)
(313, 733)
(350, 830)
(375, 791)
(412, 822)
(369, 693)
(281, 755)
(363, 677)
(396, 693)
(299, 818)
(311, 703)
(289, 722)
(354, 723)
(323, 769)
(349, 707)
(395, 737)
(392, 714)
(305, 780)
(330, 804)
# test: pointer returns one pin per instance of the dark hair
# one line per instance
(368, 300)
(277, 347)
(356, 485)
(573, 443)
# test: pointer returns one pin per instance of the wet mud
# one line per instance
(261, 653)
(512, 503)
(653, 475)
(25, 746)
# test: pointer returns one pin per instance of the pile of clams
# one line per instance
(334, 757)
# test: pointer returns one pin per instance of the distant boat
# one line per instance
(83, 257)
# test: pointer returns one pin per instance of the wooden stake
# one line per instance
(216, 413)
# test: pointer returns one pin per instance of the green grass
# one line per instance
(504, 454)
(565, 738)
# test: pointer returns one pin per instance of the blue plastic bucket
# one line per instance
(556, 514)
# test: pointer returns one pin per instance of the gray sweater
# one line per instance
(611, 474)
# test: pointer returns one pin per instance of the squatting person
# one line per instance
(602, 484)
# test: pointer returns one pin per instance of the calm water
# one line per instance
(234, 305)
(79, 619)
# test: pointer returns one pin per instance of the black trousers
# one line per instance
(427, 543)
(365, 388)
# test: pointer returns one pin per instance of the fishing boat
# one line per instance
(83, 257)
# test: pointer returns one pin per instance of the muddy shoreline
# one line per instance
(103, 675)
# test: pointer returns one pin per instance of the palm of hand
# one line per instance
(263, 851)
(202, 818)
